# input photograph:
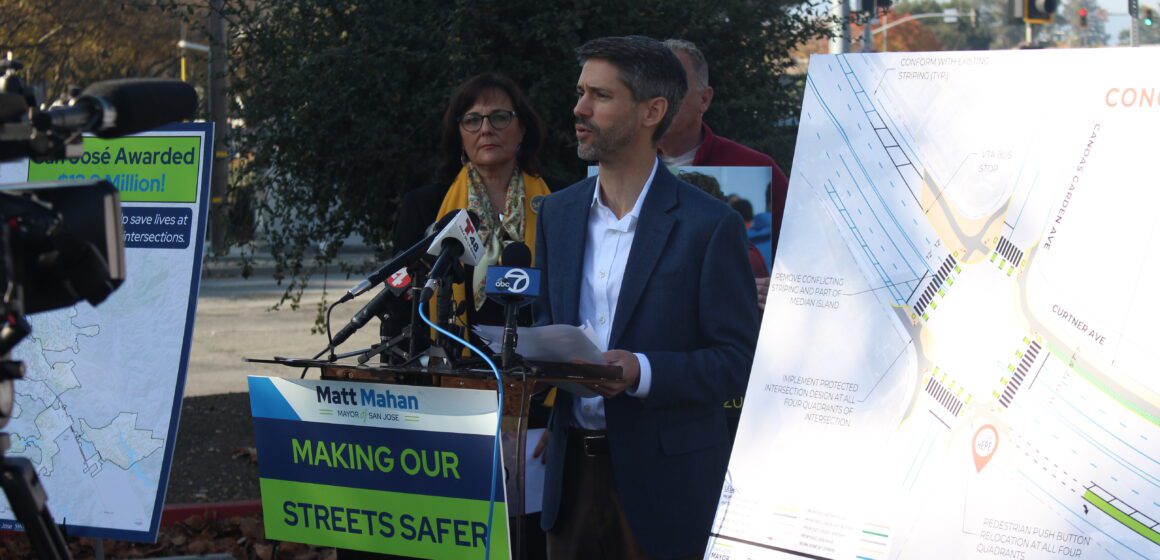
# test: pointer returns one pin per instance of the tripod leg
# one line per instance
(30, 505)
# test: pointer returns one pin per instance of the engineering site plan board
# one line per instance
(959, 354)
(97, 410)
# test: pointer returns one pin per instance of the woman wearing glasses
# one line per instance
(490, 144)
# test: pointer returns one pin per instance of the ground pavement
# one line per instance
(234, 321)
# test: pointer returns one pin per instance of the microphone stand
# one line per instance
(418, 335)
(445, 315)
(406, 346)
(386, 347)
(510, 334)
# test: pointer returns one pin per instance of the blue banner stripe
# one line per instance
(266, 401)
(376, 458)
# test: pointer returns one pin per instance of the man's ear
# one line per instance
(706, 99)
(655, 110)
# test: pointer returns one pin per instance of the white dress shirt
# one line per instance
(605, 256)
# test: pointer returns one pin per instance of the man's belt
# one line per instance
(593, 443)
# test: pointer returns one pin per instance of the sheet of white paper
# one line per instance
(549, 343)
(591, 334)
(533, 472)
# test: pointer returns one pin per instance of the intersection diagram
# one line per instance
(958, 353)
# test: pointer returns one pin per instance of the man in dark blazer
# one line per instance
(659, 271)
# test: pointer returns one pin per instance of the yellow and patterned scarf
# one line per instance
(517, 222)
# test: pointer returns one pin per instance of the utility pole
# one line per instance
(886, 32)
(218, 103)
(867, 34)
(840, 42)
(1133, 15)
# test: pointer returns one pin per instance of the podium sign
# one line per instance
(380, 468)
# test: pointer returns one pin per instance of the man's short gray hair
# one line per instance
(647, 69)
(700, 65)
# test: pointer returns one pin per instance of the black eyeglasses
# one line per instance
(499, 120)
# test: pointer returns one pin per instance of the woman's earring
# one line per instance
(463, 157)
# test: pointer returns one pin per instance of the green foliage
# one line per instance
(341, 100)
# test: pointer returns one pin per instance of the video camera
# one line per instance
(108, 109)
(61, 243)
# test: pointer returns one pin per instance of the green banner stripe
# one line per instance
(382, 522)
(143, 168)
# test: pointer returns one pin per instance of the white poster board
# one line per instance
(957, 358)
(97, 411)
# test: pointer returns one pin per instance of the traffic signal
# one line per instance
(1039, 11)
(1147, 17)
(1082, 13)
(1133, 9)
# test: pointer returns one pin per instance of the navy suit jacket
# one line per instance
(688, 303)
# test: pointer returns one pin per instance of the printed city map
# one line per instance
(959, 354)
(96, 413)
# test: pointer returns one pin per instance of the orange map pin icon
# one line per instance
(984, 445)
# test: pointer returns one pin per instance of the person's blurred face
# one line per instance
(606, 115)
(693, 105)
(491, 145)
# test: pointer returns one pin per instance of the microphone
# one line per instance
(375, 307)
(514, 285)
(514, 281)
(400, 260)
(120, 107)
(399, 281)
(12, 106)
(396, 285)
(516, 255)
(458, 242)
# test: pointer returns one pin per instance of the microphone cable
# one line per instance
(329, 341)
(495, 451)
(329, 337)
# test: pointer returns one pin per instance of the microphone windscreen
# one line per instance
(144, 104)
(517, 255)
(12, 106)
(473, 217)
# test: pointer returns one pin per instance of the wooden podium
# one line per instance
(520, 383)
